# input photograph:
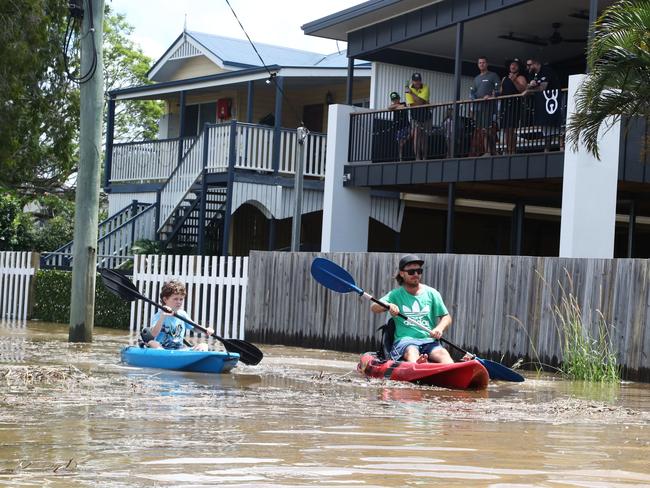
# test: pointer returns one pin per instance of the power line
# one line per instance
(272, 76)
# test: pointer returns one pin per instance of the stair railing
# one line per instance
(116, 236)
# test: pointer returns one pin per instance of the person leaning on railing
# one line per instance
(484, 88)
(511, 108)
(544, 79)
(400, 121)
(417, 94)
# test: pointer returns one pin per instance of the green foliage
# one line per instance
(39, 106)
(52, 290)
(618, 83)
(126, 65)
(585, 356)
(19, 231)
(38, 112)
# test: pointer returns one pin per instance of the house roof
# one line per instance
(235, 54)
(338, 24)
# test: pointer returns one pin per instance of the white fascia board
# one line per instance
(179, 42)
(231, 80)
(324, 72)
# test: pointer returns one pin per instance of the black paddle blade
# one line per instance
(117, 288)
(248, 353)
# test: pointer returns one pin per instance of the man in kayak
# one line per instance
(169, 331)
(422, 304)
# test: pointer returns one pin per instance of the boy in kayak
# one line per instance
(167, 330)
(420, 303)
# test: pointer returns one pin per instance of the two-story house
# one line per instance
(220, 177)
(496, 177)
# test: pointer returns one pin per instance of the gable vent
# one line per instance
(185, 50)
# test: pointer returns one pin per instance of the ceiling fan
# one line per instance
(554, 38)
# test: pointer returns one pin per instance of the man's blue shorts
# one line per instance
(425, 346)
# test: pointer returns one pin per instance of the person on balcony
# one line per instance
(511, 108)
(417, 95)
(484, 89)
(420, 303)
(545, 86)
(400, 122)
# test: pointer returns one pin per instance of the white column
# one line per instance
(589, 191)
(346, 210)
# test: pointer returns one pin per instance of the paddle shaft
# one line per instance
(412, 322)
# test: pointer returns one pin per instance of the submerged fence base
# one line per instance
(502, 306)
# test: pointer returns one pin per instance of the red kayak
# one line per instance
(461, 376)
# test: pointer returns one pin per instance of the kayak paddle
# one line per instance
(121, 286)
(334, 277)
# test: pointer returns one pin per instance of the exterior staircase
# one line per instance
(182, 230)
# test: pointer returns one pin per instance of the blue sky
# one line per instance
(158, 22)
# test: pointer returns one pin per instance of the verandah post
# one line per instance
(204, 190)
(232, 156)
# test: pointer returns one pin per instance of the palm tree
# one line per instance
(618, 83)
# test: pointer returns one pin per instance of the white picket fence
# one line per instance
(16, 274)
(216, 290)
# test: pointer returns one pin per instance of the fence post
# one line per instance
(36, 259)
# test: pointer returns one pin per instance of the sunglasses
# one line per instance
(411, 272)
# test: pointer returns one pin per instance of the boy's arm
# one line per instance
(164, 313)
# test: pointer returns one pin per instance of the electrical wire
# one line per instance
(74, 24)
(272, 76)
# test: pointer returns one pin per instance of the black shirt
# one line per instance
(547, 75)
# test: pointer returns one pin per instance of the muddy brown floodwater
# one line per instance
(71, 415)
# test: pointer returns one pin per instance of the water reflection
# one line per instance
(72, 415)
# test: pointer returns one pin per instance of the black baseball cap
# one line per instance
(416, 77)
(409, 259)
(394, 96)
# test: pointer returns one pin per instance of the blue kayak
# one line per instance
(180, 359)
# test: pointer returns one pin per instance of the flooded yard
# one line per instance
(73, 415)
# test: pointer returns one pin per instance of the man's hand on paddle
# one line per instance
(393, 309)
(437, 332)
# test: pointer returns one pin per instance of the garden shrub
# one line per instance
(52, 290)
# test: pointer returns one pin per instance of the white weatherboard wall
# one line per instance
(589, 191)
(345, 210)
(387, 78)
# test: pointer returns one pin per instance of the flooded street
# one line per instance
(73, 415)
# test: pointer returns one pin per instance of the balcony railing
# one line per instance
(150, 161)
(503, 125)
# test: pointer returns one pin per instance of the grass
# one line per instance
(586, 355)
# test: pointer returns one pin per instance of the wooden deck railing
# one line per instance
(154, 161)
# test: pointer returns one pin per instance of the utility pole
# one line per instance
(86, 220)
(297, 189)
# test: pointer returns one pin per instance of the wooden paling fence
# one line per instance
(502, 306)
(16, 274)
(216, 290)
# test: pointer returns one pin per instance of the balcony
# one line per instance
(254, 150)
(516, 124)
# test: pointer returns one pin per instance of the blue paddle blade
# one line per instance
(498, 371)
(332, 276)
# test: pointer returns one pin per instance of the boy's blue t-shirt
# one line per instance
(172, 331)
